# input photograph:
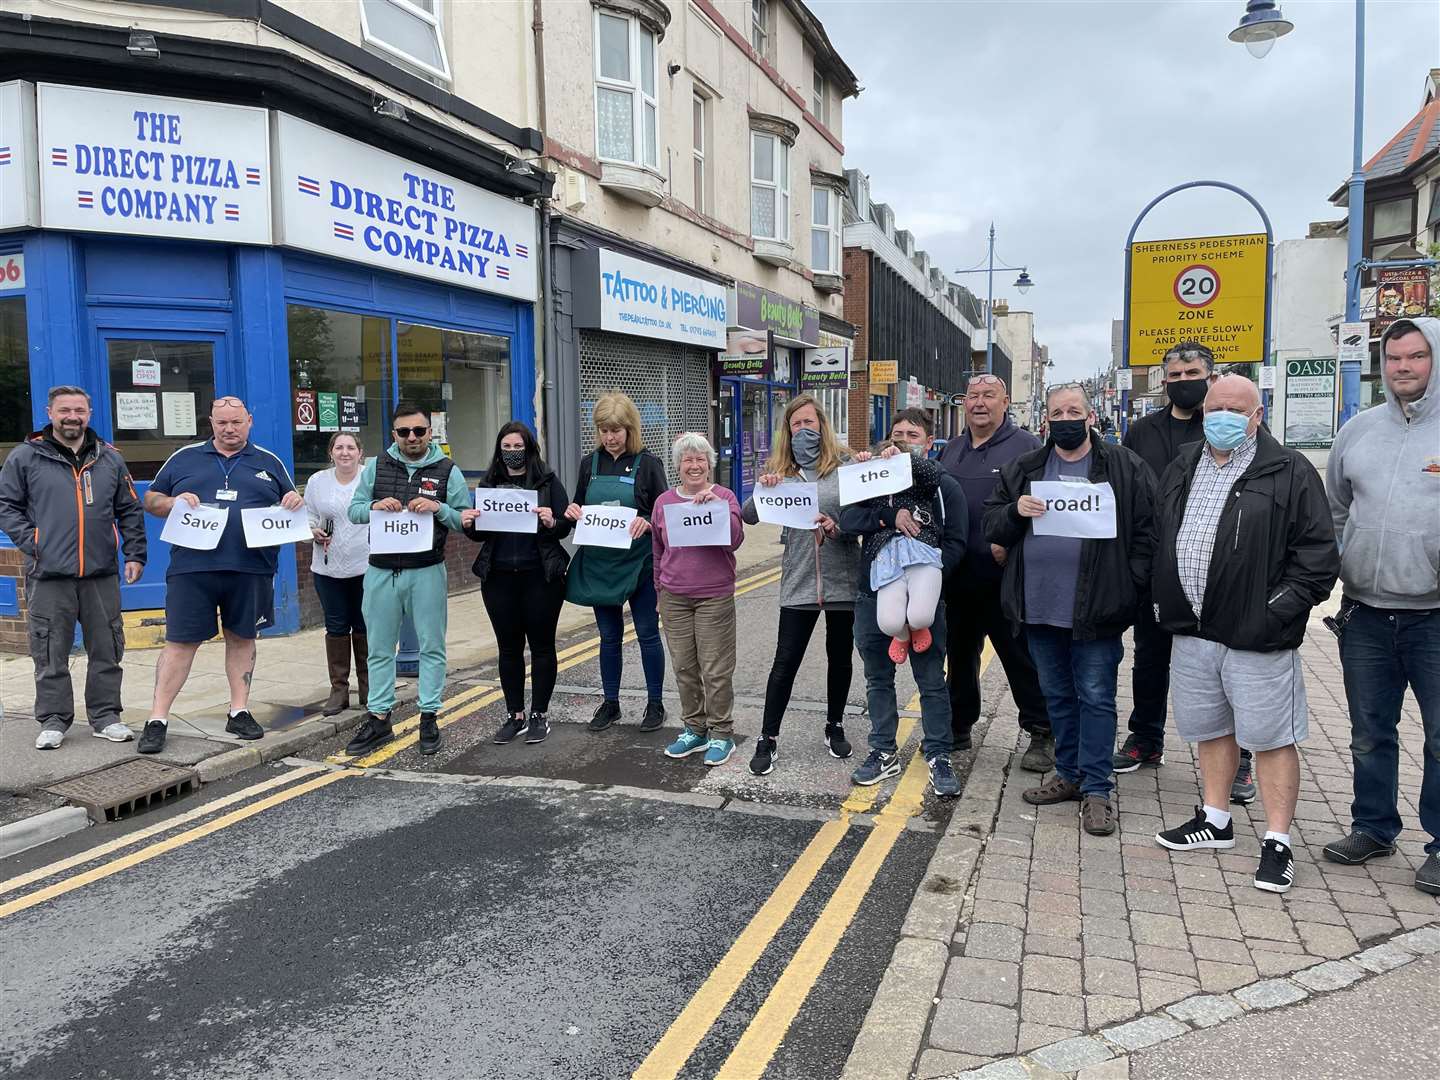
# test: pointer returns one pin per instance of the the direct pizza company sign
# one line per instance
(1209, 289)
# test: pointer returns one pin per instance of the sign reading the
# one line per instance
(825, 369)
(884, 371)
(747, 352)
(195, 527)
(509, 510)
(869, 479)
(1310, 404)
(1209, 289)
(761, 309)
(398, 532)
(688, 524)
(604, 526)
(271, 526)
(794, 505)
(1074, 509)
(638, 297)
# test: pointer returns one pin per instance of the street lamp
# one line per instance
(1022, 285)
(1260, 27)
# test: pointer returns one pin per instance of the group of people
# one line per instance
(1217, 543)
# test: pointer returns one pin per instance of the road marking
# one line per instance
(683, 1036)
(135, 858)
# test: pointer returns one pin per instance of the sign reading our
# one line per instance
(1209, 289)
(1074, 509)
(343, 198)
(604, 526)
(689, 524)
(632, 296)
(194, 527)
(869, 479)
(270, 526)
(153, 166)
(794, 505)
(398, 532)
(506, 510)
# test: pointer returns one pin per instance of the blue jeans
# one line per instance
(927, 667)
(610, 621)
(1381, 651)
(1078, 681)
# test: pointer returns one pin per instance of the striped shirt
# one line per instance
(1209, 489)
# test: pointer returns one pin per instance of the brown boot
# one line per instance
(337, 656)
(361, 645)
(1097, 815)
(1058, 790)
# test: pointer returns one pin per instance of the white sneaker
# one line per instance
(116, 732)
(49, 739)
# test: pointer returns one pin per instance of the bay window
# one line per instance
(824, 230)
(408, 30)
(769, 187)
(626, 73)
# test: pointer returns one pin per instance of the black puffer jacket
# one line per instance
(554, 559)
(1275, 555)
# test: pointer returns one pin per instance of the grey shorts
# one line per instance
(1257, 697)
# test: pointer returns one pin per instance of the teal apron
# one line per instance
(607, 577)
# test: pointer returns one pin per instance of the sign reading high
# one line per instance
(1209, 289)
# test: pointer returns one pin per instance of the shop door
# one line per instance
(727, 456)
(754, 434)
(158, 396)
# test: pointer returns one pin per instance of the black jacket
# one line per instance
(554, 559)
(1155, 438)
(1275, 555)
(977, 469)
(1112, 572)
(863, 518)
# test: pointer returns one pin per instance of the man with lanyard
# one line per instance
(411, 475)
(229, 471)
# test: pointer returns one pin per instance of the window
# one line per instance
(154, 420)
(1434, 219)
(15, 418)
(824, 231)
(760, 25)
(407, 29)
(1392, 226)
(626, 113)
(769, 187)
(699, 105)
(463, 379)
(819, 99)
(347, 357)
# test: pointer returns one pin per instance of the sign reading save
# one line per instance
(195, 527)
(1071, 509)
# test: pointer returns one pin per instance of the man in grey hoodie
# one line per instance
(1384, 487)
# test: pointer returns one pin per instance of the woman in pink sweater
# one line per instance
(695, 580)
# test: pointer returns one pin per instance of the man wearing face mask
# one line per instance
(1245, 549)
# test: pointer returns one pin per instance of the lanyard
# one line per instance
(224, 472)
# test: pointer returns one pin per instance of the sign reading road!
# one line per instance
(1209, 289)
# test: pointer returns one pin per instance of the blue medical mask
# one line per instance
(805, 447)
(1226, 430)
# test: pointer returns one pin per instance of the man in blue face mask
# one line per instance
(1245, 549)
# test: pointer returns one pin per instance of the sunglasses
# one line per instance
(406, 432)
(227, 401)
(985, 380)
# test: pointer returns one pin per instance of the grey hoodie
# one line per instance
(1384, 485)
(816, 576)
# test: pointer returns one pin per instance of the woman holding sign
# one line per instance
(695, 530)
(622, 473)
(337, 566)
(521, 567)
(817, 572)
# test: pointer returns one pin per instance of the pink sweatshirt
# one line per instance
(695, 571)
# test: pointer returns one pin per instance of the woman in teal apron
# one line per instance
(621, 472)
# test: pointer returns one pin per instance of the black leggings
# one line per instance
(523, 606)
(796, 626)
(341, 600)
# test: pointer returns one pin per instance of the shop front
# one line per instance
(175, 250)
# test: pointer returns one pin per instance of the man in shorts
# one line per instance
(1245, 549)
(235, 581)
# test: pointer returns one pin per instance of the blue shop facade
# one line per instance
(161, 251)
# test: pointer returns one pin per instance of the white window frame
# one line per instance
(820, 96)
(699, 148)
(831, 228)
(635, 88)
(760, 27)
(433, 18)
(780, 169)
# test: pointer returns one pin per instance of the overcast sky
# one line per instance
(1061, 120)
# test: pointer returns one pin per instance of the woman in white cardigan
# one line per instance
(337, 565)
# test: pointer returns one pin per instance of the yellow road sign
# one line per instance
(1209, 289)
(884, 371)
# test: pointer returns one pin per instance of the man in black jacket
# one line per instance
(1245, 549)
(1074, 595)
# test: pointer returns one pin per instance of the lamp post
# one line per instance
(1022, 286)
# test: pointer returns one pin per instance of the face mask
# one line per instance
(1069, 434)
(805, 447)
(513, 459)
(1188, 393)
(1226, 430)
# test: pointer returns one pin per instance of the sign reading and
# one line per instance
(689, 524)
(1310, 404)
(1209, 289)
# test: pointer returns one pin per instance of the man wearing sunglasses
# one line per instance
(411, 475)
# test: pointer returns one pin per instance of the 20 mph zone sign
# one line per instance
(1209, 289)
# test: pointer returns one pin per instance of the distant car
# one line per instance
(940, 444)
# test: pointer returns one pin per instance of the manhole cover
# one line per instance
(125, 788)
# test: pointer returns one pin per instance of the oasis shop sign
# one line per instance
(153, 166)
(343, 198)
(761, 309)
(630, 296)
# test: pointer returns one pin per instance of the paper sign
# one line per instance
(349, 413)
(604, 526)
(1353, 345)
(195, 527)
(1124, 379)
(1267, 377)
(1080, 510)
(399, 532)
(793, 505)
(136, 412)
(328, 408)
(688, 524)
(179, 410)
(270, 526)
(145, 372)
(506, 510)
(878, 476)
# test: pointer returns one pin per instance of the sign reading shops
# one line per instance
(1209, 289)
(342, 198)
(153, 166)
(626, 295)
(761, 309)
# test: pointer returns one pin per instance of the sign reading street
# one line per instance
(509, 510)
(1209, 289)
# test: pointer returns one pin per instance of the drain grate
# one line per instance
(127, 788)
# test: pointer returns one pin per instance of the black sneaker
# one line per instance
(152, 739)
(1357, 848)
(1135, 753)
(942, 777)
(1277, 867)
(605, 715)
(1427, 878)
(1242, 788)
(512, 726)
(373, 732)
(654, 718)
(836, 741)
(1197, 833)
(537, 729)
(429, 733)
(763, 763)
(243, 726)
(878, 766)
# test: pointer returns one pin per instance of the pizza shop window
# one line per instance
(340, 378)
(463, 379)
(15, 406)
